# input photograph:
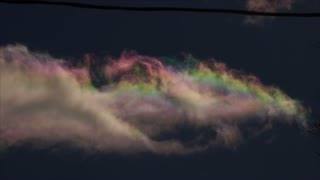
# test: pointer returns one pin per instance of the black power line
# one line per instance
(159, 9)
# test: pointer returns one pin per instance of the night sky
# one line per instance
(282, 52)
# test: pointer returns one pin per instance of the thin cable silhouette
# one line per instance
(159, 9)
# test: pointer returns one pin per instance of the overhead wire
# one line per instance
(159, 9)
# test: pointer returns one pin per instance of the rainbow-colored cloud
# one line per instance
(143, 105)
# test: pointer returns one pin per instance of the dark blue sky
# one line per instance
(284, 52)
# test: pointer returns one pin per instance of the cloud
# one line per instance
(266, 6)
(144, 105)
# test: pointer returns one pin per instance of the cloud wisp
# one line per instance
(143, 105)
(266, 6)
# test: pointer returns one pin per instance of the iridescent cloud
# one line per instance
(142, 105)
